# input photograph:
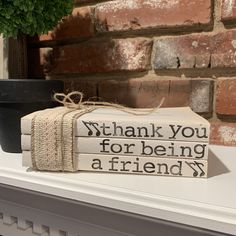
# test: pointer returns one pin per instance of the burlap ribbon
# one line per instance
(52, 130)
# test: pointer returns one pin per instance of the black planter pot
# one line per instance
(19, 98)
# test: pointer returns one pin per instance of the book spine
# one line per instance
(99, 126)
(136, 165)
(134, 147)
(139, 130)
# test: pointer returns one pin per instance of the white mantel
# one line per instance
(205, 203)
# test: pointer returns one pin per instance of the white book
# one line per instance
(135, 165)
(134, 147)
(172, 124)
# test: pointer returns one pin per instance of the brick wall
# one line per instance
(135, 52)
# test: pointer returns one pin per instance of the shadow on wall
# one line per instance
(149, 91)
(74, 53)
(70, 30)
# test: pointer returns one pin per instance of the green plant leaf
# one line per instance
(31, 16)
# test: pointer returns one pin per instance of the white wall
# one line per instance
(3, 58)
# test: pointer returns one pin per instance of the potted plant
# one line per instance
(19, 95)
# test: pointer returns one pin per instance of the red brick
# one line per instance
(223, 133)
(201, 97)
(179, 93)
(104, 56)
(228, 11)
(86, 86)
(226, 96)
(43, 37)
(148, 92)
(37, 38)
(85, 1)
(77, 25)
(196, 51)
(134, 92)
(144, 14)
(224, 49)
(81, 1)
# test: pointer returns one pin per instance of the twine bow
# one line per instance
(54, 149)
(68, 101)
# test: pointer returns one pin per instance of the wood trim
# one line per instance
(78, 216)
(17, 58)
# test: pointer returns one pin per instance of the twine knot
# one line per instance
(54, 149)
(71, 100)
(74, 100)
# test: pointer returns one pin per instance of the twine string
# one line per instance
(69, 101)
(54, 149)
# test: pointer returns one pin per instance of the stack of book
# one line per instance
(168, 142)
